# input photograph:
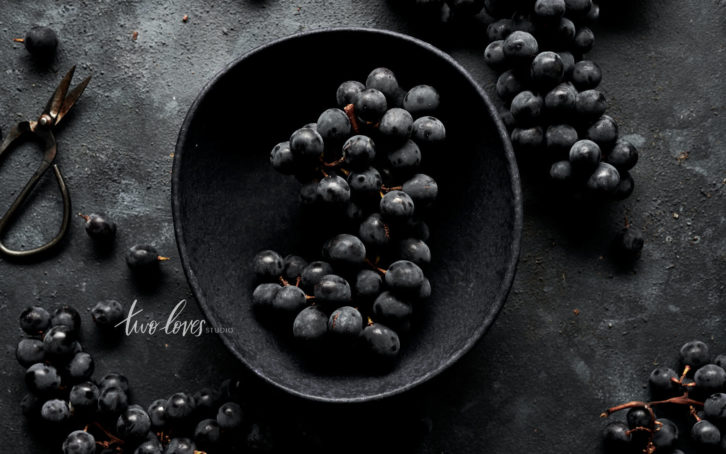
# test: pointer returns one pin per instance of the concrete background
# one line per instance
(578, 333)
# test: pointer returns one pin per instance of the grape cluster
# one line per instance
(359, 166)
(700, 391)
(98, 416)
(556, 111)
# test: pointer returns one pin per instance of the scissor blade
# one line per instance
(56, 101)
(71, 99)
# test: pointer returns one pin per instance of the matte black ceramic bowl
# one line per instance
(229, 203)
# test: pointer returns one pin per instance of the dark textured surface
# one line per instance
(540, 377)
(222, 172)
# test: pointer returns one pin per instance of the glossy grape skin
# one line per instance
(494, 55)
(421, 100)
(282, 158)
(179, 407)
(41, 42)
(310, 324)
(293, 266)
(414, 250)
(526, 107)
(586, 75)
(306, 145)
(396, 125)
(268, 265)
(370, 105)
(629, 244)
(428, 131)
(561, 101)
(392, 311)
(404, 276)
(133, 424)
(559, 139)
(568, 61)
(561, 36)
(333, 126)
(42, 379)
(584, 40)
(80, 367)
(206, 401)
(368, 284)
(623, 156)
(383, 80)
(720, 360)
(334, 189)
(374, 232)
(561, 171)
(359, 152)
(59, 342)
(83, 397)
(100, 228)
(313, 273)
(520, 46)
(714, 407)
(424, 292)
(34, 320)
(157, 413)
(365, 183)
(79, 442)
(114, 379)
(112, 400)
(382, 342)
(604, 179)
(705, 433)
(229, 416)
(638, 417)
(603, 132)
(55, 411)
(509, 84)
(396, 206)
(180, 446)
(585, 155)
(661, 380)
(666, 436)
(626, 186)
(695, 354)
(107, 314)
(149, 447)
(67, 316)
(309, 196)
(347, 92)
(590, 103)
(345, 249)
(527, 139)
(289, 299)
(332, 289)
(207, 433)
(578, 6)
(710, 377)
(499, 30)
(405, 158)
(29, 352)
(547, 69)
(346, 321)
(616, 435)
(549, 9)
(142, 258)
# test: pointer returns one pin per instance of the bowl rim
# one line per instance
(511, 165)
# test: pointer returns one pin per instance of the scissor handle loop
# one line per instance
(49, 144)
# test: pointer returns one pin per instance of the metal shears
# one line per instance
(42, 131)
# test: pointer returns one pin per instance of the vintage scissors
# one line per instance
(42, 131)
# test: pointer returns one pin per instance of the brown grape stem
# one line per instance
(350, 111)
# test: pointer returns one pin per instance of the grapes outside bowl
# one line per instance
(229, 203)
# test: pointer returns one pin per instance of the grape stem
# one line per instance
(350, 111)
(84, 216)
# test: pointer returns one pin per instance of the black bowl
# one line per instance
(229, 203)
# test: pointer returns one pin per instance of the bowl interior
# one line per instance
(229, 203)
